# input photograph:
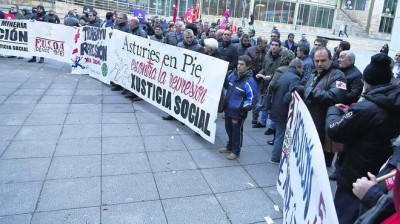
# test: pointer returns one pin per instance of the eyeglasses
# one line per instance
(120, 17)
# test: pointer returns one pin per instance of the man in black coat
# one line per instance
(366, 129)
(280, 103)
(325, 87)
(354, 88)
(39, 16)
(228, 51)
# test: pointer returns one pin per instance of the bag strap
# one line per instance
(234, 86)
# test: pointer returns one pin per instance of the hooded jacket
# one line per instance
(40, 16)
(366, 130)
(243, 96)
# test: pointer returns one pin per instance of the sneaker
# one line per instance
(259, 125)
(269, 131)
(271, 142)
(116, 88)
(224, 150)
(232, 156)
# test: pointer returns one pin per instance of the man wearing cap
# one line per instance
(366, 129)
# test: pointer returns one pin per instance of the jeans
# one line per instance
(347, 206)
(234, 129)
(278, 142)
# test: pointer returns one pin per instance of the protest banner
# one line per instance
(14, 38)
(91, 53)
(183, 83)
(303, 179)
(50, 41)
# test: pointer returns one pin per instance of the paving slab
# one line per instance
(23, 170)
(70, 193)
(117, 164)
(18, 198)
(16, 219)
(55, 99)
(30, 149)
(12, 119)
(198, 209)
(183, 183)
(83, 118)
(171, 161)
(71, 216)
(81, 131)
(119, 118)
(226, 179)
(129, 188)
(75, 166)
(81, 146)
(247, 206)
(164, 143)
(46, 119)
(112, 145)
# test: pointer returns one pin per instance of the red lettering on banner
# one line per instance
(188, 88)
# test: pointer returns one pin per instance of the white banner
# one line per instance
(183, 83)
(303, 179)
(14, 38)
(91, 53)
(50, 40)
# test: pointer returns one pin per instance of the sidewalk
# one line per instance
(72, 151)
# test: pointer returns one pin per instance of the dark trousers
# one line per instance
(347, 206)
(234, 129)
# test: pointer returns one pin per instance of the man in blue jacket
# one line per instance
(240, 98)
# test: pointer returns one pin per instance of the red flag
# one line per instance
(196, 11)
(233, 27)
(175, 11)
(222, 25)
(188, 17)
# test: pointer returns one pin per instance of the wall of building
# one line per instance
(395, 42)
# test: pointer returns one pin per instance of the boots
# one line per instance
(41, 60)
(33, 59)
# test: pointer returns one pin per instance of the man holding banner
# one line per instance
(366, 129)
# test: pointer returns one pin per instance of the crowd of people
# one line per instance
(359, 110)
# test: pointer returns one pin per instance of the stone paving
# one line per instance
(73, 151)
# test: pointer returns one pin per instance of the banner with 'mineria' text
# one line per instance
(302, 183)
(14, 38)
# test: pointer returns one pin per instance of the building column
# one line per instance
(251, 7)
(394, 42)
(296, 14)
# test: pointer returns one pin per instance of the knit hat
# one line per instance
(378, 71)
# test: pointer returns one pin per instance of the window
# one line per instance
(274, 11)
(387, 18)
(316, 16)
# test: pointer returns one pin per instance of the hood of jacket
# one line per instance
(386, 96)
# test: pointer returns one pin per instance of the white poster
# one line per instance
(14, 38)
(50, 40)
(91, 53)
(303, 179)
(183, 83)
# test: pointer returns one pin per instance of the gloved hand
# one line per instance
(299, 89)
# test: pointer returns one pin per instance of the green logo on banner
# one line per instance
(104, 69)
